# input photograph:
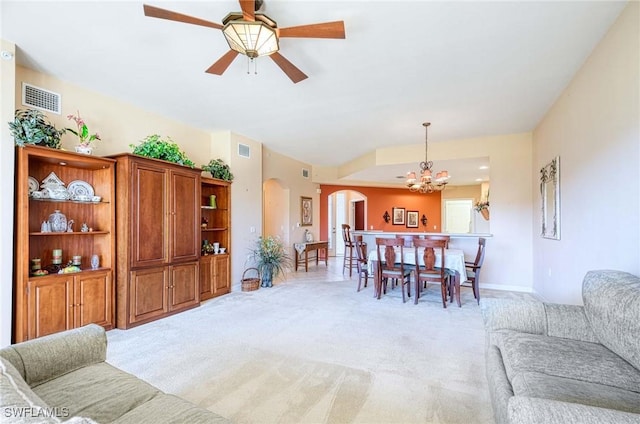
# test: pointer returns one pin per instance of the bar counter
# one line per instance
(468, 242)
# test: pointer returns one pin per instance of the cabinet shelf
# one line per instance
(66, 233)
(212, 208)
(215, 229)
(84, 271)
(68, 201)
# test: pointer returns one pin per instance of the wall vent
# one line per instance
(305, 173)
(40, 98)
(244, 150)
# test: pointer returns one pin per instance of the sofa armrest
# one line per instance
(526, 410)
(49, 357)
(517, 315)
(549, 319)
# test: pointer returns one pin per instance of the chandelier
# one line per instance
(426, 183)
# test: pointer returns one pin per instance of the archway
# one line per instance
(343, 207)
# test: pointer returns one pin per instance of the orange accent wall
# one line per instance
(380, 200)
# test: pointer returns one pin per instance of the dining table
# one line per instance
(453, 260)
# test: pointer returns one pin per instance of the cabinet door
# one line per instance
(206, 277)
(149, 214)
(185, 291)
(221, 283)
(50, 305)
(148, 290)
(185, 217)
(94, 299)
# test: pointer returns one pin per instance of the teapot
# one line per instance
(58, 222)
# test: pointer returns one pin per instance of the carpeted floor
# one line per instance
(313, 350)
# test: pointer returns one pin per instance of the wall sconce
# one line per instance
(386, 216)
(424, 220)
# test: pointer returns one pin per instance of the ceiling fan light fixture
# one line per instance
(251, 38)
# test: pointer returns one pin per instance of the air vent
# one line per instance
(244, 150)
(305, 173)
(40, 98)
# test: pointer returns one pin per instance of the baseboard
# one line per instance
(507, 288)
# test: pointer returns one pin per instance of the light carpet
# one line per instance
(313, 350)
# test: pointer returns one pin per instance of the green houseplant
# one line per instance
(154, 146)
(30, 126)
(218, 169)
(271, 258)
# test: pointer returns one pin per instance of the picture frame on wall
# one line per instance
(306, 211)
(398, 216)
(413, 217)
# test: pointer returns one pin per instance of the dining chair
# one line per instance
(445, 238)
(348, 261)
(363, 265)
(406, 240)
(473, 269)
(389, 269)
(430, 271)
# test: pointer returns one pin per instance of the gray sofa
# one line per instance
(552, 363)
(64, 378)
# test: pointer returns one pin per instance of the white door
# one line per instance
(457, 216)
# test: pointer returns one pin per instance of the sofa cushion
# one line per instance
(526, 410)
(579, 360)
(18, 403)
(169, 409)
(538, 385)
(612, 305)
(100, 392)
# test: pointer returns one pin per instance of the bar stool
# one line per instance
(349, 262)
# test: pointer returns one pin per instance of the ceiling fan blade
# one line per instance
(322, 30)
(156, 12)
(248, 10)
(295, 74)
(223, 63)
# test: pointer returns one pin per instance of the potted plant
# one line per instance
(483, 208)
(85, 140)
(154, 146)
(31, 127)
(218, 169)
(270, 258)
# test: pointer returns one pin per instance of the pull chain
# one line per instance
(255, 66)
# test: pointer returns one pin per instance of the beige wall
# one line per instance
(118, 123)
(594, 127)
(289, 173)
(7, 107)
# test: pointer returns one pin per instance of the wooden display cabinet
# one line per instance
(158, 234)
(215, 228)
(56, 302)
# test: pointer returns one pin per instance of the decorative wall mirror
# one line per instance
(550, 193)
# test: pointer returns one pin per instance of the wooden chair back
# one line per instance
(480, 255)
(445, 238)
(386, 250)
(346, 234)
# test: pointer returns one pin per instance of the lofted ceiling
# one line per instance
(471, 68)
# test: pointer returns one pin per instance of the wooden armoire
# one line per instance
(158, 239)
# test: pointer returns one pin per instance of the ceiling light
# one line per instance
(427, 184)
(251, 38)
(479, 179)
(484, 167)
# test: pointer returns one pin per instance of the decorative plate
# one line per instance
(80, 188)
(33, 185)
(52, 180)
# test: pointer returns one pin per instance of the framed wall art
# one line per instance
(550, 196)
(412, 219)
(306, 211)
(398, 216)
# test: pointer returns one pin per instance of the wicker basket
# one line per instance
(250, 284)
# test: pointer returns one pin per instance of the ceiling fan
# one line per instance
(254, 34)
